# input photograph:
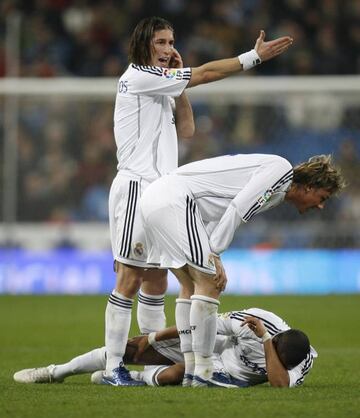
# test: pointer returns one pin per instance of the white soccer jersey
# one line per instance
(244, 358)
(231, 189)
(144, 124)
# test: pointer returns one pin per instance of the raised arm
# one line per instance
(217, 70)
(277, 375)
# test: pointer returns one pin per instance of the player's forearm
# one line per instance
(214, 70)
(185, 125)
(277, 375)
(166, 334)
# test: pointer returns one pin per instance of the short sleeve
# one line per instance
(230, 323)
(157, 81)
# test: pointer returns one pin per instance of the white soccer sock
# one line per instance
(117, 327)
(203, 328)
(203, 366)
(189, 360)
(85, 363)
(150, 312)
(150, 375)
(182, 317)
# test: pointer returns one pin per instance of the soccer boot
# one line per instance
(199, 382)
(221, 380)
(97, 377)
(187, 380)
(121, 377)
(37, 375)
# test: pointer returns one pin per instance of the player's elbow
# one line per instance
(187, 131)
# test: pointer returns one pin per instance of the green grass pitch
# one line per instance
(40, 330)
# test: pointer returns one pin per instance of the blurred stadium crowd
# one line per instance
(90, 37)
(66, 148)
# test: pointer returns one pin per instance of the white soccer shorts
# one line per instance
(126, 229)
(170, 349)
(175, 232)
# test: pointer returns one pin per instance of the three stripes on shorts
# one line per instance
(197, 256)
(129, 218)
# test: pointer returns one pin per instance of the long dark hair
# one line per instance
(140, 42)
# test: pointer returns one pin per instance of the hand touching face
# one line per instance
(162, 48)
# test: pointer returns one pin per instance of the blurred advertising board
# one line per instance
(70, 271)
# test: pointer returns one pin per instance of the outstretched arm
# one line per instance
(277, 375)
(217, 70)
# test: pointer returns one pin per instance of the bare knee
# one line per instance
(128, 279)
(154, 281)
(186, 282)
(204, 283)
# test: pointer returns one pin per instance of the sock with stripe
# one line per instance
(117, 327)
(150, 375)
(150, 312)
(203, 328)
(182, 317)
(85, 363)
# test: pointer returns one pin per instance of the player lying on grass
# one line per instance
(253, 346)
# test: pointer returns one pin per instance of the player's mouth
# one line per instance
(163, 61)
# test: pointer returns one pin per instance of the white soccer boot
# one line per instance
(37, 375)
(97, 377)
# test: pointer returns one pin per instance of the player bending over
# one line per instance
(198, 208)
(253, 346)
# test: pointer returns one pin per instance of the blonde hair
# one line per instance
(319, 172)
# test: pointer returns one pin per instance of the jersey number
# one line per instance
(123, 86)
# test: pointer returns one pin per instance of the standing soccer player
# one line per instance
(197, 210)
(146, 130)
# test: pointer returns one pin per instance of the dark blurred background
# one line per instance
(64, 152)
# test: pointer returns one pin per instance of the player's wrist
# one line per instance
(152, 338)
(265, 337)
(249, 59)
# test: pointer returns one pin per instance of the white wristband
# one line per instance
(266, 337)
(249, 59)
(151, 338)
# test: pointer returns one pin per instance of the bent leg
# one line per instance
(149, 357)
(172, 375)
(162, 375)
